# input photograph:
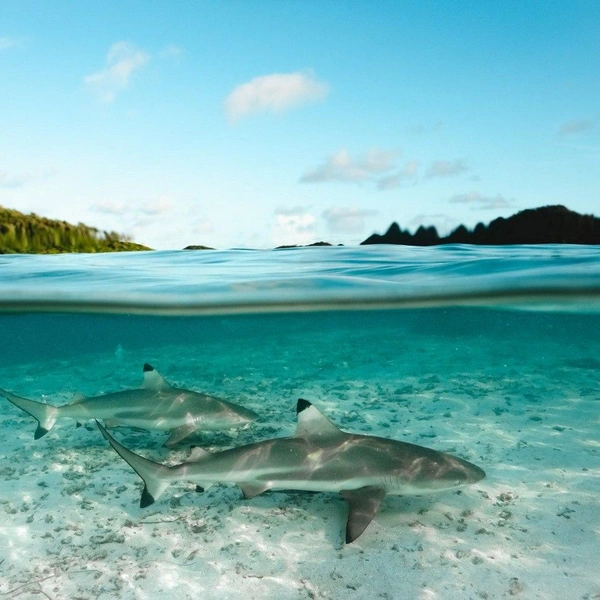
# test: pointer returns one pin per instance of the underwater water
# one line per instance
(489, 354)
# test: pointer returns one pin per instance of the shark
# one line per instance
(320, 457)
(156, 405)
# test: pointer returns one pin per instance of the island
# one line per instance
(32, 234)
(554, 224)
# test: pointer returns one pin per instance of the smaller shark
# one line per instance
(319, 458)
(156, 405)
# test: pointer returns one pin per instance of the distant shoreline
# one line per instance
(32, 234)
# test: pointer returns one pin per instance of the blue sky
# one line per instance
(252, 124)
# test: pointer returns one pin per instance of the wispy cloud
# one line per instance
(480, 201)
(404, 175)
(8, 42)
(151, 208)
(423, 129)
(576, 127)
(10, 181)
(347, 220)
(293, 226)
(274, 93)
(160, 206)
(341, 166)
(446, 168)
(122, 61)
(171, 52)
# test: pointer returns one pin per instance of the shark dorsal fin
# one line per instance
(153, 380)
(313, 423)
(77, 398)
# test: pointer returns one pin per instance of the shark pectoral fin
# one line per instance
(362, 506)
(179, 434)
(249, 490)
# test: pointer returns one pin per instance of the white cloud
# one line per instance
(406, 174)
(171, 221)
(480, 201)
(422, 129)
(122, 60)
(347, 220)
(172, 52)
(341, 166)
(293, 226)
(274, 93)
(159, 206)
(8, 42)
(19, 180)
(8, 182)
(446, 168)
(106, 207)
(576, 127)
(151, 208)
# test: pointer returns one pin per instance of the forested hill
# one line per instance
(546, 225)
(32, 234)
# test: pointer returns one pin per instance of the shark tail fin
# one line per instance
(156, 477)
(44, 414)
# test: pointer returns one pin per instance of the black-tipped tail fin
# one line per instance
(44, 414)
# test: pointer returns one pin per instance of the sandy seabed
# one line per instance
(525, 411)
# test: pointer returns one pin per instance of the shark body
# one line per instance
(156, 405)
(319, 458)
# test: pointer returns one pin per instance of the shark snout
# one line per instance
(463, 473)
(475, 474)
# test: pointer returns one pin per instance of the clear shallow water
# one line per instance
(439, 361)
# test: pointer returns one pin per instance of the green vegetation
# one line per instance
(31, 234)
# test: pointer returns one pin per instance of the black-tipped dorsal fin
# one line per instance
(313, 423)
(153, 380)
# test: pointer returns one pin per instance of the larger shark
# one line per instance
(156, 405)
(318, 458)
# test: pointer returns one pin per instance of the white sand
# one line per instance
(526, 412)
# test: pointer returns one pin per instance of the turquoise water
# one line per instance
(492, 354)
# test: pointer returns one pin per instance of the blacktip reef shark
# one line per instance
(318, 458)
(156, 405)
